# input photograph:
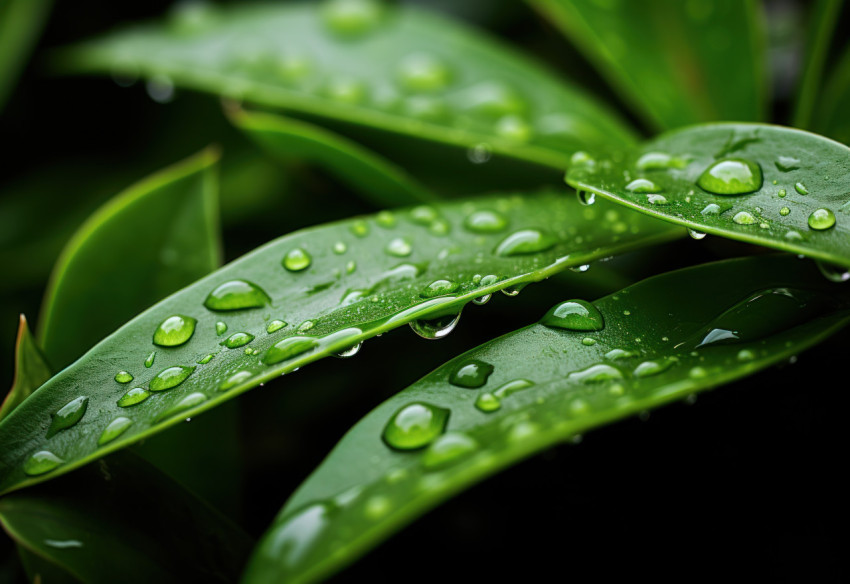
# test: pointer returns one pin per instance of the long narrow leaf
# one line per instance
(21, 22)
(31, 370)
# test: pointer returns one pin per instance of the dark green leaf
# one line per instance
(391, 68)
(123, 520)
(823, 16)
(343, 283)
(831, 116)
(31, 370)
(795, 185)
(678, 62)
(151, 240)
(374, 177)
(20, 24)
(657, 341)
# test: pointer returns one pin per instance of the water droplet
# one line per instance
(377, 507)
(514, 290)
(513, 128)
(487, 402)
(801, 188)
(149, 361)
(485, 221)
(297, 260)
(123, 377)
(745, 355)
(588, 342)
(275, 326)
(482, 300)
(781, 193)
(642, 186)
(170, 378)
(423, 215)
(732, 176)
(236, 295)
(743, 218)
(135, 396)
(237, 378)
(115, 428)
(696, 234)
(448, 449)
(439, 288)
(580, 269)
(525, 241)
(359, 228)
(41, 462)
(289, 348)
(480, 153)
(660, 161)
(350, 351)
(615, 354)
(237, 340)
(340, 248)
(422, 72)
(511, 387)
(574, 315)
(821, 219)
(305, 326)
(352, 18)
(63, 544)
(160, 88)
(181, 407)
(832, 272)
(597, 374)
(68, 415)
(711, 209)
(650, 368)
(350, 266)
(793, 236)
(471, 374)
(174, 330)
(586, 197)
(580, 158)
(220, 328)
(784, 211)
(435, 328)
(399, 247)
(385, 219)
(656, 199)
(697, 373)
(415, 426)
(787, 163)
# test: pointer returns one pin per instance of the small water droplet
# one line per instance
(220, 328)
(711, 209)
(350, 351)
(275, 326)
(340, 248)
(399, 247)
(359, 228)
(832, 272)
(68, 415)
(237, 340)
(787, 164)
(746, 355)
(743, 218)
(656, 199)
(160, 88)
(174, 331)
(784, 211)
(696, 234)
(588, 342)
(123, 377)
(525, 241)
(596, 374)
(289, 348)
(731, 176)
(237, 378)
(485, 221)
(586, 197)
(135, 396)
(643, 186)
(480, 153)
(793, 236)
(615, 354)
(181, 407)
(781, 193)
(580, 269)
(422, 72)
(415, 426)
(435, 328)
(114, 429)
(439, 288)
(821, 219)
(482, 300)
(574, 315)
(352, 18)
(149, 361)
(448, 449)
(385, 219)
(513, 128)
(697, 373)
(305, 326)
(350, 266)
(487, 402)
(236, 295)
(41, 462)
(660, 161)
(471, 374)
(170, 378)
(650, 368)
(801, 188)
(297, 260)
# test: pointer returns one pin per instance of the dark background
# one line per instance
(744, 483)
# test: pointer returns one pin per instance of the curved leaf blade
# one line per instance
(644, 357)
(679, 63)
(151, 240)
(375, 178)
(396, 69)
(31, 369)
(830, 116)
(800, 174)
(346, 282)
(125, 517)
(21, 22)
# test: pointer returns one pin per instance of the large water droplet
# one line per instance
(275, 326)
(135, 396)
(296, 260)
(574, 315)
(352, 18)
(415, 426)
(435, 328)
(114, 429)
(422, 72)
(732, 176)
(586, 198)
(237, 340)
(41, 462)
(399, 247)
(643, 186)
(471, 374)
(821, 219)
(236, 295)
(525, 241)
(181, 407)
(289, 348)
(448, 449)
(68, 415)
(169, 378)
(485, 221)
(439, 288)
(174, 330)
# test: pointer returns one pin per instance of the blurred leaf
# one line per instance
(397, 69)
(678, 62)
(299, 298)
(769, 185)
(40, 570)
(823, 16)
(31, 370)
(831, 116)
(124, 521)
(540, 385)
(149, 241)
(375, 178)
(20, 25)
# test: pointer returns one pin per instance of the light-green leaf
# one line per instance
(375, 178)
(149, 241)
(795, 185)
(31, 370)
(397, 69)
(678, 62)
(305, 296)
(21, 22)
(582, 366)
(124, 520)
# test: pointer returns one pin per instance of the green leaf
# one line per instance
(678, 62)
(397, 69)
(123, 517)
(375, 178)
(823, 16)
(149, 241)
(343, 283)
(830, 116)
(794, 185)
(31, 370)
(637, 349)
(21, 22)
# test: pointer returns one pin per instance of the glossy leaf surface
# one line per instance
(678, 62)
(397, 69)
(659, 341)
(106, 522)
(31, 370)
(794, 187)
(149, 241)
(308, 295)
(20, 23)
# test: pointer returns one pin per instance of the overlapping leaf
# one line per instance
(31, 370)
(583, 365)
(20, 23)
(823, 17)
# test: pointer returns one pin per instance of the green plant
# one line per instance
(400, 92)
